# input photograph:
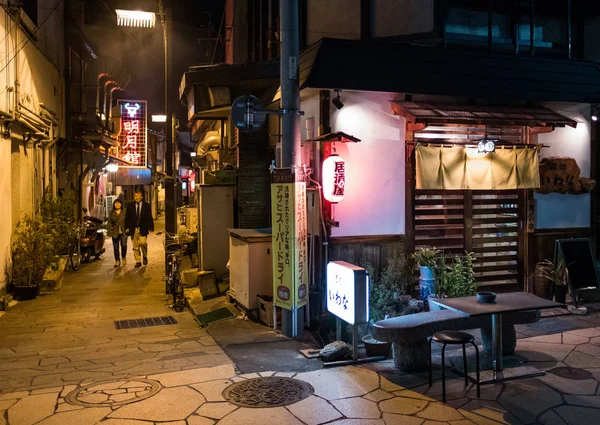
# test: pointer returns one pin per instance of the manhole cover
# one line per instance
(267, 392)
(113, 393)
(571, 373)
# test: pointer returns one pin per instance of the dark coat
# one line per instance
(116, 223)
(146, 222)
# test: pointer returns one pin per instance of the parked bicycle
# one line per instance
(74, 252)
(174, 252)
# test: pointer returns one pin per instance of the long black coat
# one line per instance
(146, 221)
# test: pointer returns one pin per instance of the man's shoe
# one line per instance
(138, 264)
(145, 261)
(117, 263)
(124, 261)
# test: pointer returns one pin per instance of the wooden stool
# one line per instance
(453, 338)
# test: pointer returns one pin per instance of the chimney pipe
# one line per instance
(100, 77)
(105, 106)
(110, 99)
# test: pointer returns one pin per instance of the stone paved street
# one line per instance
(63, 362)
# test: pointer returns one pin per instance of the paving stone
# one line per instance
(570, 386)
(285, 374)
(266, 374)
(580, 360)
(595, 340)
(32, 409)
(392, 419)
(53, 361)
(77, 417)
(526, 399)
(273, 416)
(434, 423)
(14, 395)
(413, 394)
(122, 397)
(198, 420)
(47, 390)
(212, 391)
(462, 422)
(574, 415)
(590, 333)
(314, 410)
(169, 404)
(378, 395)
(574, 339)
(94, 398)
(250, 375)
(584, 400)
(356, 422)
(154, 348)
(481, 416)
(194, 376)
(215, 410)
(174, 423)
(488, 392)
(458, 402)
(551, 418)
(66, 407)
(553, 338)
(541, 351)
(440, 412)
(591, 349)
(332, 384)
(5, 404)
(357, 408)
(402, 405)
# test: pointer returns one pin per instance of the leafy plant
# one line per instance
(384, 290)
(57, 212)
(33, 249)
(426, 256)
(456, 279)
(557, 273)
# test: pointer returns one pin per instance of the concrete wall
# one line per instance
(332, 18)
(555, 210)
(374, 198)
(401, 17)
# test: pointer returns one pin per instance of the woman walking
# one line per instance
(116, 229)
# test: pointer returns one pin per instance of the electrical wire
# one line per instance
(212, 59)
(29, 38)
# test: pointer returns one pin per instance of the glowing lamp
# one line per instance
(112, 167)
(135, 18)
(334, 178)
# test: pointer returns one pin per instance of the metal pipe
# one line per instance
(110, 99)
(100, 77)
(105, 106)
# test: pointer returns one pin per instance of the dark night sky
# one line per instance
(141, 50)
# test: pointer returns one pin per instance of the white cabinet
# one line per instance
(251, 265)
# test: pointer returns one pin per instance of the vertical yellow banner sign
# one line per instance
(290, 267)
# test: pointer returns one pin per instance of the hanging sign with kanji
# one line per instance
(290, 267)
(133, 137)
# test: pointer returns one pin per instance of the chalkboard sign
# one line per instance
(577, 254)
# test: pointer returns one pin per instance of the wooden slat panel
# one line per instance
(496, 258)
(439, 211)
(442, 231)
(440, 242)
(423, 222)
(482, 211)
(445, 193)
(494, 220)
(499, 239)
(496, 277)
(498, 268)
(495, 201)
(438, 202)
(510, 248)
(494, 230)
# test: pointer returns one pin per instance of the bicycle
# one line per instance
(74, 252)
(173, 284)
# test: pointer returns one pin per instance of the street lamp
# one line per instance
(143, 19)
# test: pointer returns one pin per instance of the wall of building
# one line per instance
(389, 17)
(319, 22)
(555, 210)
(592, 35)
(374, 198)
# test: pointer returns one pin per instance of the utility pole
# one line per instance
(290, 105)
(170, 204)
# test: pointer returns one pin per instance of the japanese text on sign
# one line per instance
(348, 292)
(132, 137)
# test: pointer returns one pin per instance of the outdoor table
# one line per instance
(505, 303)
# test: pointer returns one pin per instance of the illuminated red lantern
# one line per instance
(334, 178)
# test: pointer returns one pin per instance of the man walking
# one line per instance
(138, 222)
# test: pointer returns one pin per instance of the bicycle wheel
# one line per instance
(75, 256)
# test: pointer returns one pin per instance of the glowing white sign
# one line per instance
(348, 292)
(334, 178)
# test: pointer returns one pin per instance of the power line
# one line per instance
(219, 35)
(29, 38)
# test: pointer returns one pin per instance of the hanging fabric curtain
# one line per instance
(461, 168)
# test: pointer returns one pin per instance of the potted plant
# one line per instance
(33, 250)
(558, 275)
(454, 280)
(426, 259)
(385, 293)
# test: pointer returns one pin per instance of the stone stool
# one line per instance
(453, 338)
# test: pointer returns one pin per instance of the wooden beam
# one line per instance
(416, 126)
(398, 110)
(540, 130)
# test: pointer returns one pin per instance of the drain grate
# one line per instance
(272, 391)
(144, 323)
(553, 325)
(572, 373)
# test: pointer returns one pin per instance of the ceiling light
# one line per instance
(486, 146)
(135, 18)
(159, 118)
(112, 167)
(594, 117)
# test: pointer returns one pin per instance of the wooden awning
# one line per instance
(427, 113)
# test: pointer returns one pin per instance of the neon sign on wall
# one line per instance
(132, 137)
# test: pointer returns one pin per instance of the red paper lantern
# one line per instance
(334, 178)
